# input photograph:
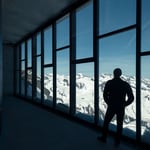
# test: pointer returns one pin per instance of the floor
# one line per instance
(28, 127)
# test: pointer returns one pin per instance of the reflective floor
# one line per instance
(28, 127)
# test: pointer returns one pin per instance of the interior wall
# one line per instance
(8, 69)
(1, 55)
(1, 67)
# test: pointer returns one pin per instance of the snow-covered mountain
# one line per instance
(85, 97)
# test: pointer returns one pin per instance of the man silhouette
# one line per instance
(115, 92)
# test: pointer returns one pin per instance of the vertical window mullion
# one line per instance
(138, 72)
(54, 63)
(26, 62)
(72, 64)
(33, 67)
(20, 70)
(96, 58)
(42, 67)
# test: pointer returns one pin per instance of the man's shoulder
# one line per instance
(120, 81)
(126, 84)
(109, 81)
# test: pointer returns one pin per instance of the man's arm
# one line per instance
(106, 93)
(130, 95)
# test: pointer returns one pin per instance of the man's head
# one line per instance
(117, 73)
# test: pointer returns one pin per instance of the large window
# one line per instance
(47, 67)
(118, 51)
(63, 63)
(145, 73)
(116, 14)
(145, 99)
(84, 63)
(145, 40)
(85, 91)
(22, 51)
(48, 86)
(38, 44)
(22, 77)
(38, 67)
(84, 31)
(29, 82)
(29, 68)
(62, 32)
(22, 69)
(63, 79)
(29, 52)
(48, 45)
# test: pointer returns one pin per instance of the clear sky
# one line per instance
(115, 51)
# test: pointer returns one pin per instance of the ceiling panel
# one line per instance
(21, 17)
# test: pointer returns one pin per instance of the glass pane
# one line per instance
(85, 91)
(29, 58)
(48, 86)
(29, 82)
(145, 42)
(145, 98)
(48, 46)
(38, 44)
(116, 14)
(17, 58)
(62, 32)
(38, 78)
(22, 77)
(118, 51)
(84, 31)
(63, 86)
(23, 51)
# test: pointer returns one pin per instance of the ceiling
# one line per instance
(22, 17)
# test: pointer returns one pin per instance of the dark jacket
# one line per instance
(115, 93)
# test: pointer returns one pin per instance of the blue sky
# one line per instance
(115, 51)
